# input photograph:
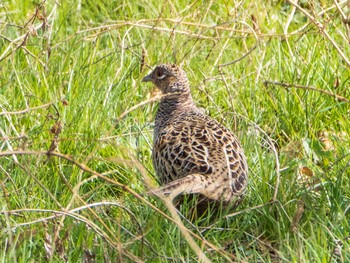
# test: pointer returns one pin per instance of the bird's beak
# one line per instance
(147, 78)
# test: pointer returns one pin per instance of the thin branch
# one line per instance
(345, 20)
(322, 29)
(156, 98)
(73, 214)
(26, 110)
(340, 10)
(142, 23)
(301, 29)
(107, 179)
(5, 54)
(78, 164)
(25, 36)
(288, 85)
(239, 59)
(161, 29)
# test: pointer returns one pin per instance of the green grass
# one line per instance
(86, 64)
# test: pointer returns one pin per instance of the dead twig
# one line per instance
(288, 85)
(151, 100)
(300, 30)
(345, 19)
(26, 110)
(96, 175)
(143, 24)
(73, 213)
(323, 30)
(239, 59)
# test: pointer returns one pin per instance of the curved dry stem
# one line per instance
(273, 148)
(75, 215)
(288, 85)
(95, 175)
(26, 110)
(322, 29)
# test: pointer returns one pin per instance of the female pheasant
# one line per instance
(193, 153)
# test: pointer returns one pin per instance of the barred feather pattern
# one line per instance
(193, 153)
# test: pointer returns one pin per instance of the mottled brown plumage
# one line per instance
(192, 153)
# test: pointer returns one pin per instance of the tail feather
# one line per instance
(191, 184)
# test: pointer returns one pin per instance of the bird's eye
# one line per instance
(160, 75)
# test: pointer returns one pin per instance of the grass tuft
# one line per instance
(76, 128)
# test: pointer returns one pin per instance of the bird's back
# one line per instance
(193, 143)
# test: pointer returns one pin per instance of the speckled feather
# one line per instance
(193, 153)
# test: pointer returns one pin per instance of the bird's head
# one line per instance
(169, 78)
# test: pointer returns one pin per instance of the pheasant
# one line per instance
(192, 153)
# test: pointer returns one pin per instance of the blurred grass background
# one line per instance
(70, 75)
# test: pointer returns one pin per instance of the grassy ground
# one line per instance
(70, 75)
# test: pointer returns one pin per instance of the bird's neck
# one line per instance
(176, 102)
(172, 106)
